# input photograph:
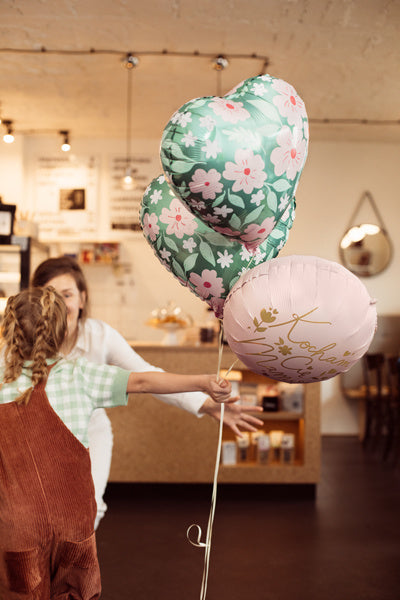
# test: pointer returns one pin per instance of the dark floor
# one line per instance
(267, 544)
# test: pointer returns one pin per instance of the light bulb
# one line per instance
(128, 182)
(65, 147)
(8, 138)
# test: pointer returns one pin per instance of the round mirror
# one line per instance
(365, 250)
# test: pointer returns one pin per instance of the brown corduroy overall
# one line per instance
(47, 507)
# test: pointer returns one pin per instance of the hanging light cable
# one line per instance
(219, 63)
(8, 137)
(128, 182)
(65, 147)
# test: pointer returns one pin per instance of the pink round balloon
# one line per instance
(299, 319)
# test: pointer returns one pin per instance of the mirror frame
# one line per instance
(362, 269)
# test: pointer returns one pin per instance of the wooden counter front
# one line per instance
(155, 442)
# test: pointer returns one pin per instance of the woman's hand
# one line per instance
(235, 415)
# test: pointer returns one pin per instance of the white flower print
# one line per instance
(280, 245)
(259, 256)
(189, 244)
(229, 110)
(150, 227)
(283, 202)
(207, 183)
(175, 117)
(245, 255)
(179, 219)
(161, 179)
(211, 148)
(189, 139)
(290, 155)
(289, 104)
(185, 118)
(247, 172)
(225, 259)
(257, 198)
(207, 122)
(198, 204)
(258, 89)
(224, 211)
(156, 196)
(165, 254)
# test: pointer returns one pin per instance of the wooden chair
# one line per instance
(393, 442)
(378, 419)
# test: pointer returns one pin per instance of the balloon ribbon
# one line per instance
(207, 544)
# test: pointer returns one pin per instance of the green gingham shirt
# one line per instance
(74, 389)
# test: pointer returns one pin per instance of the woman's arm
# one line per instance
(105, 345)
(235, 416)
(158, 383)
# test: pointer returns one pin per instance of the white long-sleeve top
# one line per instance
(100, 343)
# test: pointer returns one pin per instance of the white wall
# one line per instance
(335, 176)
(333, 180)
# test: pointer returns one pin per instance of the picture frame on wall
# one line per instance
(7, 217)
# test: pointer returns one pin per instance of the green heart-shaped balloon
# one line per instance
(235, 161)
(205, 261)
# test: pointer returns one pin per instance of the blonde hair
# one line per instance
(33, 328)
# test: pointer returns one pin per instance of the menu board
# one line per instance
(124, 205)
(65, 196)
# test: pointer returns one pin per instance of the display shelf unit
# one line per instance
(18, 260)
(155, 442)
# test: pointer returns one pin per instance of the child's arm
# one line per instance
(169, 383)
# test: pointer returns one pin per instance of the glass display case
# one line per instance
(18, 260)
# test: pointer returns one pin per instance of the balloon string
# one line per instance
(207, 544)
(220, 350)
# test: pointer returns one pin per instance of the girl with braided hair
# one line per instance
(102, 344)
(47, 501)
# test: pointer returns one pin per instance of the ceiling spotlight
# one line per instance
(8, 137)
(66, 147)
(220, 63)
(130, 61)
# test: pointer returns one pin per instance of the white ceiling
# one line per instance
(342, 56)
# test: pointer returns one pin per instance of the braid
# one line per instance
(33, 328)
(13, 340)
(43, 342)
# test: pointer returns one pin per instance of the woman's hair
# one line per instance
(63, 265)
(33, 328)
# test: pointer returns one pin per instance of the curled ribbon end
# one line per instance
(198, 543)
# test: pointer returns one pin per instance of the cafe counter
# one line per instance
(156, 442)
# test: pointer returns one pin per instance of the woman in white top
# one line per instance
(101, 344)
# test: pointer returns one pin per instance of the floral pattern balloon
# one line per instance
(205, 261)
(235, 160)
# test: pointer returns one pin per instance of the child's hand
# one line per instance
(219, 389)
